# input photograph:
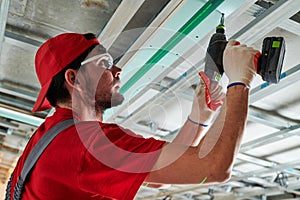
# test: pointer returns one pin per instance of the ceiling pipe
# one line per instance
(21, 117)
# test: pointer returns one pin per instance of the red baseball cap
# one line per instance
(53, 56)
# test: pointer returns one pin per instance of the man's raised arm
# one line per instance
(213, 158)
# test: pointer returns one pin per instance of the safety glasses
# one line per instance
(104, 60)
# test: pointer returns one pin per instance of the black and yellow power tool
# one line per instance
(269, 62)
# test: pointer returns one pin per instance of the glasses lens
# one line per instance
(102, 60)
(105, 61)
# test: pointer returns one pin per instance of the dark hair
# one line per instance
(57, 91)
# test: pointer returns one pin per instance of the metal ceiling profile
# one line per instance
(194, 21)
(268, 20)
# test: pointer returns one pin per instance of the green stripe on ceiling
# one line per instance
(193, 22)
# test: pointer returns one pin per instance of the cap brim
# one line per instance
(41, 102)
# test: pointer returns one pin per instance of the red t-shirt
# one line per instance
(89, 160)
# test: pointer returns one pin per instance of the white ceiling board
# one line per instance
(174, 108)
(133, 106)
(255, 130)
(290, 155)
(286, 102)
(276, 147)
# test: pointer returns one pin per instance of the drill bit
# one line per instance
(221, 27)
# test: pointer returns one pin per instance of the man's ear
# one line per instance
(70, 77)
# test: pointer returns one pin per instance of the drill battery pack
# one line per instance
(271, 60)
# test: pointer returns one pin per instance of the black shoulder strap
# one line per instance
(34, 156)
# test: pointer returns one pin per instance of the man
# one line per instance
(96, 160)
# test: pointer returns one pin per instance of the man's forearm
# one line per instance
(190, 134)
(223, 139)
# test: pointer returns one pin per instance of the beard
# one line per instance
(108, 102)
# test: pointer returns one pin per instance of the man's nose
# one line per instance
(116, 71)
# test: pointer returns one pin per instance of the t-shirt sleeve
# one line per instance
(116, 158)
(133, 152)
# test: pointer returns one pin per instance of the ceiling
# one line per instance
(161, 49)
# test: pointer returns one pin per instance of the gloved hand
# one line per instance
(208, 98)
(240, 62)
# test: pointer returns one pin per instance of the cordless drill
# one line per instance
(269, 62)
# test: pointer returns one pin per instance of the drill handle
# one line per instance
(214, 57)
